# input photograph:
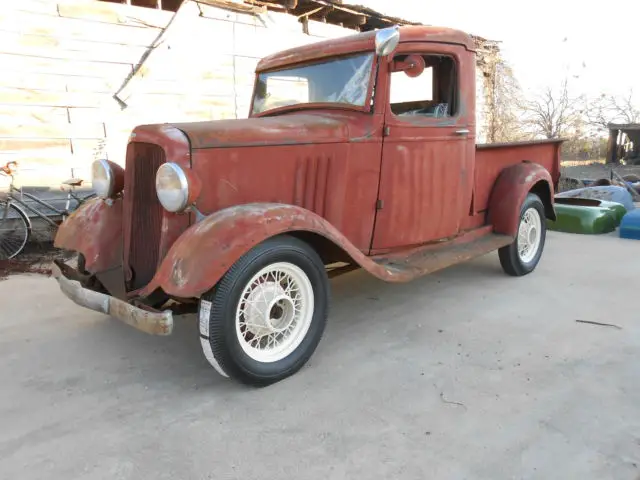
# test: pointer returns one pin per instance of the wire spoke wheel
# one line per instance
(15, 230)
(263, 320)
(522, 256)
(274, 312)
(529, 233)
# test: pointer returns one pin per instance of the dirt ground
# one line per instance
(596, 171)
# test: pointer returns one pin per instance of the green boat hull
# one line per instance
(587, 220)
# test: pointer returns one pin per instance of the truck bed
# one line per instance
(492, 158)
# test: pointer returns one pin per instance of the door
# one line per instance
(428, 148)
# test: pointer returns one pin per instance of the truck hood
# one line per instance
(290, 129)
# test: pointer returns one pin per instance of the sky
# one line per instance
(545, 40)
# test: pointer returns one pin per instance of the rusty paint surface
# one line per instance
(207, 249)
(95, 230)
(363, 42)
(491, 160)
(386, 198)
(175, 146)
(204, 253)
(322, 127)
(338, 182)
(427, 169)
(510, 190)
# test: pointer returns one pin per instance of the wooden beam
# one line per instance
(611, 146)
(178, 25)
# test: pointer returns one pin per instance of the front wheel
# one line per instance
(523, 255)
(15, 230)
(265, 318)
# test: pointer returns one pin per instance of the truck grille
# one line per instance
(142, 212)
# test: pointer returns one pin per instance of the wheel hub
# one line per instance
(275, 312)
(265, 309)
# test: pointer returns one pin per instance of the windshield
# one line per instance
(339, 80)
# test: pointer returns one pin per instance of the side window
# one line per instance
(424, 85)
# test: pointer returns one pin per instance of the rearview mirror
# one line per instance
(387, 40)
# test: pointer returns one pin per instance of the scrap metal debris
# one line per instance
(600, 324)
(450, 402)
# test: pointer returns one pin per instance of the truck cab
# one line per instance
(358, 152)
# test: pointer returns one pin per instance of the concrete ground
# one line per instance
(464, 374)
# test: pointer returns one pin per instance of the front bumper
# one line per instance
(151, 322)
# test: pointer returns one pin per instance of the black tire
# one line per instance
(15, 230)
(217, 313)
(510, 260)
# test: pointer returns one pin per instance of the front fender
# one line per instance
(511, 188)
(95, 230)
(206, 250)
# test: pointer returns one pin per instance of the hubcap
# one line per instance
(274, 312)
(529, 235)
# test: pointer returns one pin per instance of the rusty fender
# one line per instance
(511, 188)
(205, 251)
(95, 230)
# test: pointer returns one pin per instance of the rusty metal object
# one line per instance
(148, 229)
(510, 190)
(208, 249)
(95, 230)
(397, 196)
(363, 42)
(151, 322)
(492, 159)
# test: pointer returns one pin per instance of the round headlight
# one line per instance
(102, 178)
(172, 187)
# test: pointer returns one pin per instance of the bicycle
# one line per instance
(15, 224)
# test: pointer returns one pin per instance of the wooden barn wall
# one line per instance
(64, 61)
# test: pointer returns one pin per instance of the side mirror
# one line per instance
(387, 40)
(412, 66)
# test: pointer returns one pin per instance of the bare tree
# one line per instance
(612, 109)
(505, 98)
(502, 96)
(553, 112)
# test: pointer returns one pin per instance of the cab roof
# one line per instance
(363, 42)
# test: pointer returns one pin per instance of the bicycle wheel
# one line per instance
(15, 230)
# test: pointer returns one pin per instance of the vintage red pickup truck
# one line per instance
(358, 152)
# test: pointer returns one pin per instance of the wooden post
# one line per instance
(612, 146)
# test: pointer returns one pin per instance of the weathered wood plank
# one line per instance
(114, 13)
(73, 28)
(48, 7)
(92, 84)
(18, 96)
(172, 102)
(55, 83)
(50, 130)
(68, 49)
(217, 87)
(327, 30)
(163, 67)
(85, 147)
(32, 114)
(22, 63)
(22, 145)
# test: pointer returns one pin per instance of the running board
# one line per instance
(431, 258)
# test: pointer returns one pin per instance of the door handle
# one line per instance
(462, 131)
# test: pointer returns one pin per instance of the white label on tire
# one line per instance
(205, 313)
(208, 354)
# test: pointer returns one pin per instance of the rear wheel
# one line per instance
(15, 230)
(265, 318)
(523, 255)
